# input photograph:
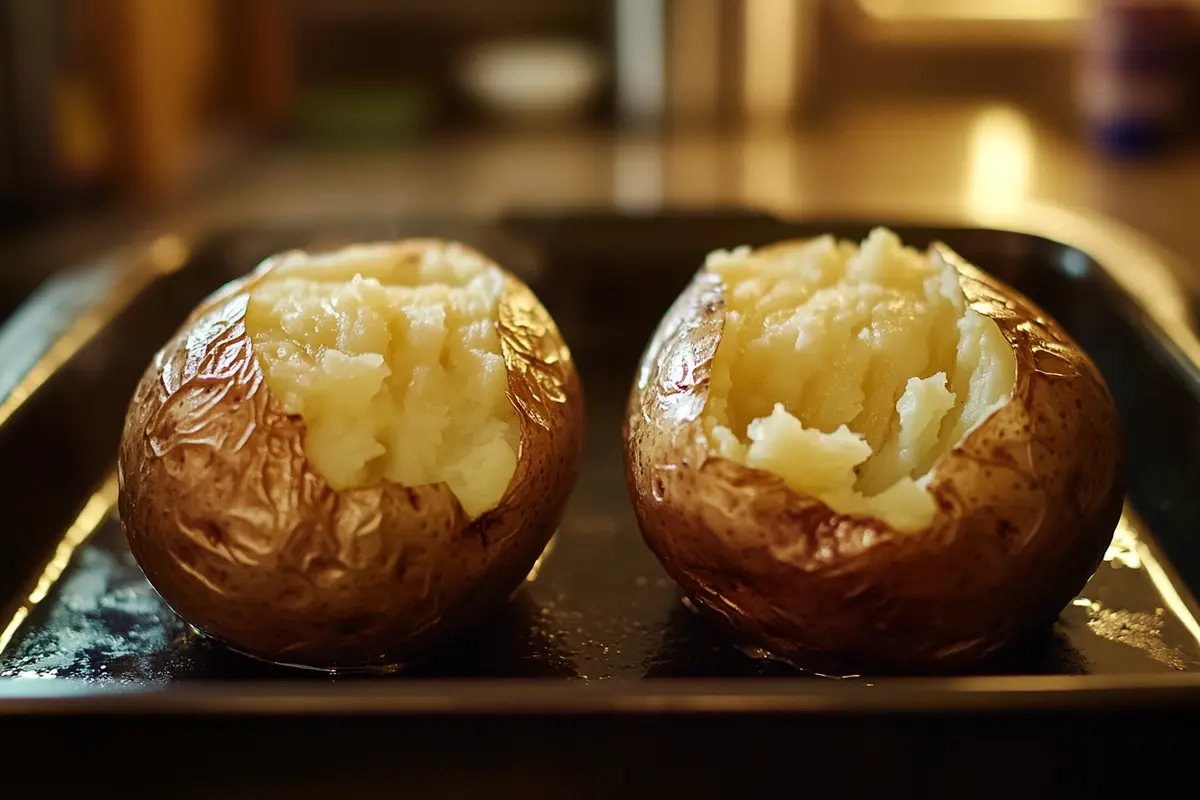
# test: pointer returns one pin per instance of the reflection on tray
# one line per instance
(1150, 629)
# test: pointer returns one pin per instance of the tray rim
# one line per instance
(525, 697)
(1147, 274)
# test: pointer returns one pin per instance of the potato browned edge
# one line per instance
(245, 541)
(1027, 503)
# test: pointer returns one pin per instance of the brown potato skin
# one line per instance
(247, 543)
(1027, 505)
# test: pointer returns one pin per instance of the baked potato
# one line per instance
(867, 457)
(341, 457)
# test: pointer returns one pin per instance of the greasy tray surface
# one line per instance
(599, 606)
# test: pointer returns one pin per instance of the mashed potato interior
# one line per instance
(847, 370)
(392, 359)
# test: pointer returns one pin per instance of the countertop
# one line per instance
(991, 160)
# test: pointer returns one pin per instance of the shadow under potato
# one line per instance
(507, 644)
(694, 647)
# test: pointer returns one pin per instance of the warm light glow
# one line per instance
(769, 171)
(168, 253)
(977, 10)
(695, 69)
(541, 560)
(638, 174)
(94, 511)
(999, 161)
(1129, 548)
(1170, 594)
(769, 80)
(1126, 546)
(698, 170)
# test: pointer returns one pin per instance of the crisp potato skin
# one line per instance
(248, 544)
(1027, 505)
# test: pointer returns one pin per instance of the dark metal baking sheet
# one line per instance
(599, 610)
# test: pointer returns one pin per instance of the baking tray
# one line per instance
(85, 634)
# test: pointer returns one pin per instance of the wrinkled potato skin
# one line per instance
(1027, 504)
(247, 543)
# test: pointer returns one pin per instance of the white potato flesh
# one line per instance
(395, 367)
(847, 370)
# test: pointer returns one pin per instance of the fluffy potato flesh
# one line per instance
(847, 370)
(394, 364)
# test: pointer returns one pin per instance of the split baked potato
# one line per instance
(871, 457)
(341, 457)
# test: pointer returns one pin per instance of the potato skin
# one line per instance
(1027, 504)
(247, 543)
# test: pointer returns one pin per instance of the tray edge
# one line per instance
(1140, 268)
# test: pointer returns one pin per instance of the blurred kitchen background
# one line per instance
(119, 117)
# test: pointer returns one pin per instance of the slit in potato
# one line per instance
(394, 365)
(847, 370)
